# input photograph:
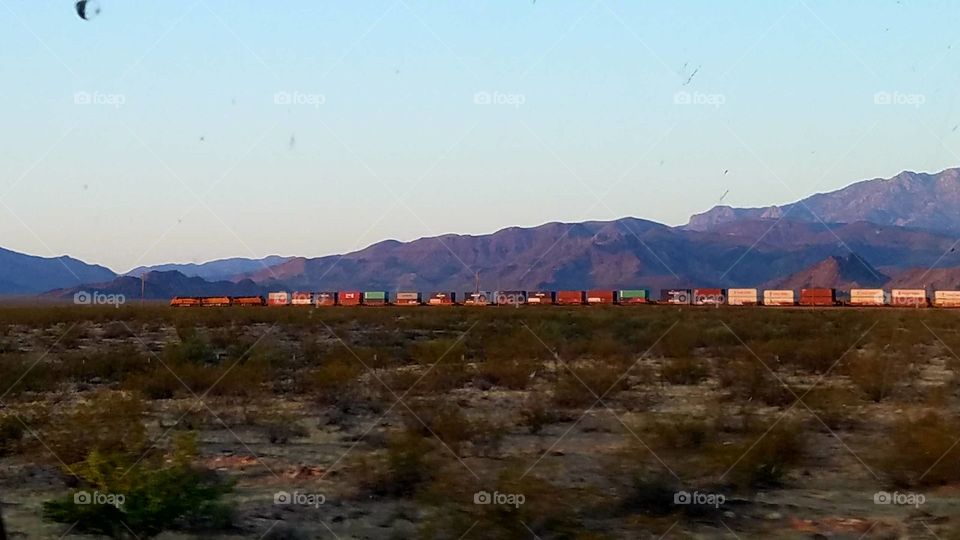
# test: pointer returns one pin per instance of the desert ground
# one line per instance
(494, 422)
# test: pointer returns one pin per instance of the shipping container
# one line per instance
(185, 301)
(278, 299)
(247, 301)
(570, 298)
(676, 296)
(349, 298)
(867, 297)
(708, 297)
(541, 297)
(407, 299)
(946, 298)
(742, 297)
(442, 299)
(375, 298)
(633, 296)
(325, 298)
(215, 301)
(510, 298)
(818, 297)
(909, 298)
(779, 297)
(299, 298)
(598, 296)
(481, 298)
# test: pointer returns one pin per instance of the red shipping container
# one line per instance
(349, 298)
(818, 297)
(600, 297)
(703, 297)
(570, 297)
(441, 299)
(540, 297)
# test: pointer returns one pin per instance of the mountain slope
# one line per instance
(163, 286)
(29, 274)
(222, 269)
(848, 272)
(915, 200)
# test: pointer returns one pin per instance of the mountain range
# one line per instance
(900, 231)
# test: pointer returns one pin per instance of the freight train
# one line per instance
(813, 297)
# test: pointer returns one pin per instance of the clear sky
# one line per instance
(184, 131)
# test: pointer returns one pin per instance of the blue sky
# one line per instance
(186, 131)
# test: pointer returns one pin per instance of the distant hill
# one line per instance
(909, 199)
(162, 286)
(924, 278)
(28, 274)
(848, 272)
(222, 269)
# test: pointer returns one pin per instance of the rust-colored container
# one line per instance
(440, 298)
(248, 301)
(541, 297)
(325, 299)
(598, 296)
(215, 301)
(818, 297)
(708, 297)
(571, 298)
(349, 298)
(185, 301)
(278, 298)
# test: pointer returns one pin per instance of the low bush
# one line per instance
(685, 370)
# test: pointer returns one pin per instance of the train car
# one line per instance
(867, 297)
(541, 297)
(946, 299)
(299, 298)
(279, 298)
(376, 298)
(349, 298)
(570, 298)
(185, 301)
(742, 297)
(247, 301)
(676, 296)
(510, 298)
(909, 298)
(818, 297)
(601, 297)
(627, 297)
(215, 301)
(325, 299)
(438, 298)
(407, 299)
(779, 297)
(708, 297)
(481, 298)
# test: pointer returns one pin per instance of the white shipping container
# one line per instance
(739, 297)
(775, 297)
(908, 297)
(302, 299)
(408, 296)
(867, 297)
(946, 298)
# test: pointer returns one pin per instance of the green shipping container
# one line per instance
(374, 295)
(634, 293)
